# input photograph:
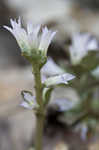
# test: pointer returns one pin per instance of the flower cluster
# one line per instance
(31, 40)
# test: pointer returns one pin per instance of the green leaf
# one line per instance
(90, 61)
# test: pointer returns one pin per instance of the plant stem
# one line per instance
(40, 111)
(39, 132)
(38, 85)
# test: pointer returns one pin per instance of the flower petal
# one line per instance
(51, 68)
(33, 35)
(8, 28)
(27, 96)
(26, 105)
(19, 33)
(60, 79)
(33, 29)
(81, 44)
(30, 40)
(46, 38)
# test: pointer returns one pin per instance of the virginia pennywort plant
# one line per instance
(34, 43)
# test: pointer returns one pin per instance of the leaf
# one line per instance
(87, 64)
(57, 80)
(90, 61)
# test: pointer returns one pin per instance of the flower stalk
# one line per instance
(39, 131)
(40, 111)
(34, 45)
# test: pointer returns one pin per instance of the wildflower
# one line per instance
(29, 100)
(30, 40)
(51, 68)
(81, 44)
(59, 79)
(64, 104)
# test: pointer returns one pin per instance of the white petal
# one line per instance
(33, 35)
(51, 68)
(26, 105)
(46, 38)
(60, 79)
(8, 28)
(68, 76)
(81, 44)
(19, 22)
(93, 45)
(29, 100)
(34, 29)
(29, 28)
(12, 23)
(30, 40)
(19, 33)
(49, 39)
(33, 41)
(27, 96)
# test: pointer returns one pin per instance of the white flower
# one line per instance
(31, 39)
(51, 68)
(59, 79)
(29, 100)
(64, 104)
(81, 44)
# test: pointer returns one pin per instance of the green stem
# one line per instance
(40, 111)
(39, 132)
(38, 84)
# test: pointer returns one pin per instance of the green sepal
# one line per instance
(46, 95)
(35, 57)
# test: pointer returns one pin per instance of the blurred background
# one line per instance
(17, 125)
